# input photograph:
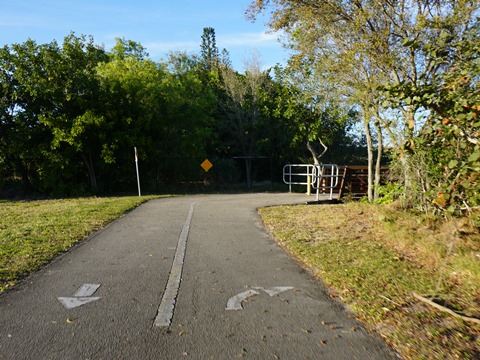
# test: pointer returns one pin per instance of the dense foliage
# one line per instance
(410, 68)
(71, 114)
(448, 143)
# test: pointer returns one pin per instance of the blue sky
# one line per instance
(161, 26)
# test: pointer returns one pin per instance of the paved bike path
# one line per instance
(228, 257)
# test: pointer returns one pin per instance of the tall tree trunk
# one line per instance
(91, 171)
(406, 157)
(27, 185)
(248, 169)
(313, 152)
(316, 157)
(406, 161)
(316, 161)
(378, 165)
(368, 134)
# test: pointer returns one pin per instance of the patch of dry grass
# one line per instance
(375, 257)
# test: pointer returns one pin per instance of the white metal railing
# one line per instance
(297, 174)
(326, 177)
(319, 177)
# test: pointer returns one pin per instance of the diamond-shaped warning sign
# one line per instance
(206, 165)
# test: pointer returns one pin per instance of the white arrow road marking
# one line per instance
(86, 290)
(235, 302)
(74, 302)
(272, 291)
(81, 297)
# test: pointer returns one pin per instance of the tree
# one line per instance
(124, 49)
(64, 107)
(54, 92)
(451, 120)
(161, 108)
(208, 49)
(132, 106)
(309, 110)
(23, 141)
(72, 109)
(192, 106)
(241, 105)
(358, 45)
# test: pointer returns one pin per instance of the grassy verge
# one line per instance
(375, 257)
(33, 232)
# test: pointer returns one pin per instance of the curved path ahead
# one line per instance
(181, 278)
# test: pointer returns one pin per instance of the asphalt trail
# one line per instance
(228, 258)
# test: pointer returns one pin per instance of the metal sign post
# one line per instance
(136, 166)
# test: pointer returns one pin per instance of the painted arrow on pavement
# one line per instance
(81, 297)
(235, 302)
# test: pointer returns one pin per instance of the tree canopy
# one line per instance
(393, 61)
(406, 71)
(71, 114)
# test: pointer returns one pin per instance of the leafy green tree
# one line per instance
(358, 46)
(132, 106)
(71, 96)
(164, 109)
(333, 44)
(124, 49)
(450, 132)
(192, 106)
(241, 104)
(56, 103)
(23, 140)
(210, 62)
(47, 96)
(310, 112)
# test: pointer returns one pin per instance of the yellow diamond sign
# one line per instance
(206, 165)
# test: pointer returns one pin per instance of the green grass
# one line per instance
(32, 233)
(374, 258)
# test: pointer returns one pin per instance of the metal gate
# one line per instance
(326, 177)
(297, 174)
(319, 177)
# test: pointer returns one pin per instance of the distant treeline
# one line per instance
(72, 113)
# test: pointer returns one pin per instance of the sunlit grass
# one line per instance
(375, 257)
(33, 232)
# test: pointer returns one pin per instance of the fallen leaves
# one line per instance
(375, 259)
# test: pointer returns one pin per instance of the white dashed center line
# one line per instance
(167, 306)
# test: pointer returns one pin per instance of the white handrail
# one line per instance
(322, 176)
(297, 174)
